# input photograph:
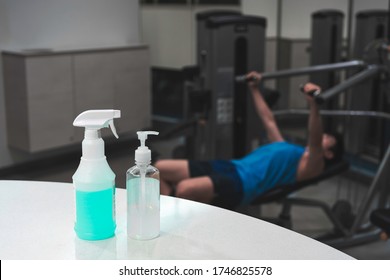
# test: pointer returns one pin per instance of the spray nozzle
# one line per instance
(97, 119)
(143, 154)
(93, 120)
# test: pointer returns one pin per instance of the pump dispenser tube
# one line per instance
(94, 181)
(143, 194)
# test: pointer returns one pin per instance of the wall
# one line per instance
(71, 23)
(371, 5)
(159, 28)
(296, 15)
(170, 32)
(264, 8)
(58, 24)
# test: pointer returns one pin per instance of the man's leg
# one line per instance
(171, 173)
(200, 189)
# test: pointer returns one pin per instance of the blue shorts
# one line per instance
(228, 188)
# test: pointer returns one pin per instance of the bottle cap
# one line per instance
(143, 153)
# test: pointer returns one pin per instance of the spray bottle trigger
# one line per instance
(111, 124)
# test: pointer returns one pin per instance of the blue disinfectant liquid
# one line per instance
(95, 216)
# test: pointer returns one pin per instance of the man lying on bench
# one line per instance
(230, 183)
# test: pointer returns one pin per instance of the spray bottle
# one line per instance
(143, 194)
(94, 181)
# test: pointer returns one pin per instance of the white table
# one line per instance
(37, 219)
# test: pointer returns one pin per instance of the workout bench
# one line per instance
(281, 194)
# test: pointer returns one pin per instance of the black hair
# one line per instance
(337, 149)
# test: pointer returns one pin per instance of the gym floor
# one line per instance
(312, 222)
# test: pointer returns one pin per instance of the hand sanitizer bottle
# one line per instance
(94, 181)
(143, 194)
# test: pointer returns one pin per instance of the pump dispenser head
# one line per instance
(93, 121)
(143, 153)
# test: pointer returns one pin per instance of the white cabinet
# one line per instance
(44, 92)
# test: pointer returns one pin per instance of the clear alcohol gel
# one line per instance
(94, 181)
(143, 194)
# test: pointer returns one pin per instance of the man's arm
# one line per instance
(264, 112)
(314, 163)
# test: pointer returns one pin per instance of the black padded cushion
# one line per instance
(282, 191)
(381, 218)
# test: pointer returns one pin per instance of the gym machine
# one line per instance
(326, 47)
(376, 65)
(205, 43)
(370, 34)
(357, 232)
(194, 102)
(214, 76)
(228, 45)
(326, 44)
